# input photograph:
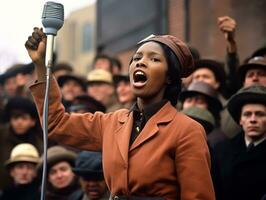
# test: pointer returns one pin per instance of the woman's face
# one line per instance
(148, 72)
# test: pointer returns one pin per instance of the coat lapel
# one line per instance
(122, 134)
(163, 116)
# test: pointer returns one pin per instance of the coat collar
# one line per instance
(167, 112)
(122, 134)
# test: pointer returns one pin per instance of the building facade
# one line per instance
(115, 26)
(193, 21)
(76, 41)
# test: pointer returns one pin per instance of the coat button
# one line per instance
(115, 198)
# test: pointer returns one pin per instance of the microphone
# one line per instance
(52, 20)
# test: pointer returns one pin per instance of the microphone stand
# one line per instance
(48, 64)
(52, 20)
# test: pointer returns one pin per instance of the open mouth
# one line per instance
(139, 76)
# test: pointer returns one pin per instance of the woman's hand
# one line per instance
(36, 45)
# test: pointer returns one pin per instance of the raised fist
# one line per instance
(36, 45)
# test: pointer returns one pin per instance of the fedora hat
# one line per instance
(100, 75)
(23, 152)
(252, 94)
(202, 88)
(255, 62)
(259, 52)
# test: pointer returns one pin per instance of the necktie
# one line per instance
(250, 147)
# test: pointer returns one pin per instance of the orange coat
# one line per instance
(169, 158)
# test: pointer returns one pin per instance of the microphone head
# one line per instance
(52, 17)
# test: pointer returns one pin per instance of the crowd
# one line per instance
(227, 98)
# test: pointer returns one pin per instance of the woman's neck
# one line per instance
(142, 103)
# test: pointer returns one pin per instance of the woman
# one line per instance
(149, 151)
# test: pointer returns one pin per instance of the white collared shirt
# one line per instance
(247, 141)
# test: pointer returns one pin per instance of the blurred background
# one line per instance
(115, 26)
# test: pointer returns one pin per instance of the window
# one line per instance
(87, 36)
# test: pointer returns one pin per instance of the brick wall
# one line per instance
(204, 32)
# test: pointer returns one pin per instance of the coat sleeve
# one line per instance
(193, 164)
(82, 131)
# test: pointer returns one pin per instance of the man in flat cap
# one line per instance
(241, 161)
(88, 167)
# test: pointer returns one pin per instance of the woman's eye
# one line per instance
(136, 58)
(155, 59)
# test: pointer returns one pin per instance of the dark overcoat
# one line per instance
(238, 173)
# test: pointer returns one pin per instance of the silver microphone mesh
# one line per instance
(53, 10)
(52, 17)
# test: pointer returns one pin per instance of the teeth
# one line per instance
(139, 73)
(139, 76)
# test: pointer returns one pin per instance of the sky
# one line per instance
(17, 19)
